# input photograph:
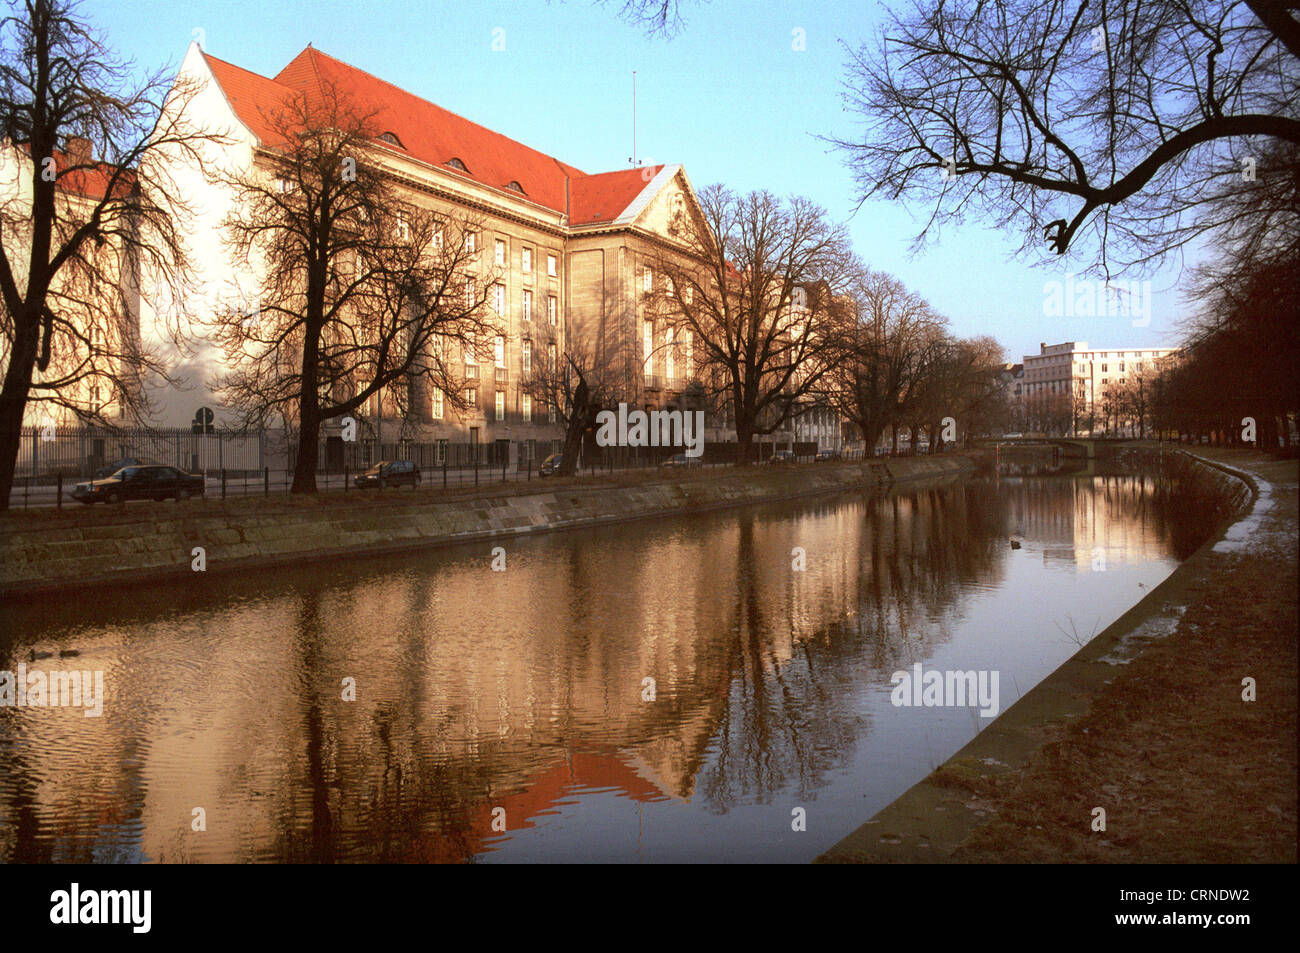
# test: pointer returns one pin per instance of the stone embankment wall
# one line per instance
(88, 546)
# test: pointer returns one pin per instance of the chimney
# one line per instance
(1042, 347)
(78, 151)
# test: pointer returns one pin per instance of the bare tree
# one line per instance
(886, 354)
(359, 291)
(656, 17)
(84, 214)
(578, 373)
(964, 386)
(1135, 122)
(757, 283)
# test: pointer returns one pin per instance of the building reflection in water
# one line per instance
(512, 696)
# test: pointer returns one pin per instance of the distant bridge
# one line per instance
(1087, 444)
(1082, 449)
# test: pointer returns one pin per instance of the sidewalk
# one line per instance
(1186, 771)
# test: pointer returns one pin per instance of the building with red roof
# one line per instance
(572, 249)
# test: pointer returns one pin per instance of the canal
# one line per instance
(713, 687)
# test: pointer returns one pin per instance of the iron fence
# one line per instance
(45, 453)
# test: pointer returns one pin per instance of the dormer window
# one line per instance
(392, 140)
(515, 186)
(457, 164)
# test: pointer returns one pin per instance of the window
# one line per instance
(457, 165)
(403, 227)
(471, 396)
(688, 295)
(471, 242)
(501, 405)
(437, 404)
(440, 452)
(499, 298)
(499, 350)
(471, 359)
(551, 266)
(690, 352)
(526, 408)
(552, 310)
(469, 292)
(668, 353)
(500, 252)
(526, 358)
(528, 305)
(550, 414)
(647, 280)
(527, 259)
(516, 187)
(1103, 368)
(551, 356)
(1121, 367)
(647, 343)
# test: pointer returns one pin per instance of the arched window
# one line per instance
(457, 164)
(392, 140)
(516, 187)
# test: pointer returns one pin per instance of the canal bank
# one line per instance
(1147, 722)
(82, 547)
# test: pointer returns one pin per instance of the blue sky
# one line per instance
(730, 98)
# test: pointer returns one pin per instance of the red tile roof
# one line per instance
(91, 180)
(254, 98)
(603, 197)
(432, 134)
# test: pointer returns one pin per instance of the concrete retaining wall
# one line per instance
(88, 547)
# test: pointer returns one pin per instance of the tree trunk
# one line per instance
(744, 443)
(304, 469)
(573, 442)
(13, 402)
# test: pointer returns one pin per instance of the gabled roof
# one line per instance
(254, 98)
(434, 135)
(605, 196)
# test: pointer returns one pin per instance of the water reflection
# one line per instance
(520, 697)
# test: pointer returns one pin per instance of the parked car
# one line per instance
(140, 483)
(782, 456)
(107, 471)
(551, 465)
(824, 456)
(681, 460)
(389, 473)
(1012, 436)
